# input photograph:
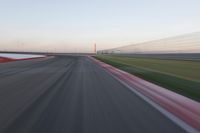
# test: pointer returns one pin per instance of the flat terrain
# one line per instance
(180, 76)
(71, 94)
(171, 56)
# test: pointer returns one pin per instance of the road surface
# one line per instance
(71, 94)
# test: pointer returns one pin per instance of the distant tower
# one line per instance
(95, 48)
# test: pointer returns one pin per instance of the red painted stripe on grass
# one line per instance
(182, 107)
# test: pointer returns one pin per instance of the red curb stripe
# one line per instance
(5, 59)
(182, 107)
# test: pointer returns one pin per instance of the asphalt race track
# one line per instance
(71, 94)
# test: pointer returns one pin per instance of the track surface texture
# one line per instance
(71, 94)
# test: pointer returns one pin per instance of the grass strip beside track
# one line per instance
(169, 74)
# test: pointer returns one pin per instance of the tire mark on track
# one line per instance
(16, 122)
(27, 68)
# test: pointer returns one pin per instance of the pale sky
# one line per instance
(75, 25)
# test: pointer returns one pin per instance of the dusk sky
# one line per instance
(75, 25)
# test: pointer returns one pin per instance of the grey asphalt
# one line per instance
(71, 94)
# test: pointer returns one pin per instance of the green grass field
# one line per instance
(179, 76)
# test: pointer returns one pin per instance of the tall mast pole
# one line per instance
(95, 48)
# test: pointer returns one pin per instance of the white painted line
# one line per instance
(161, 109)
(166, 113)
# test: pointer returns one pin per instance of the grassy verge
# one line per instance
(179, 76)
